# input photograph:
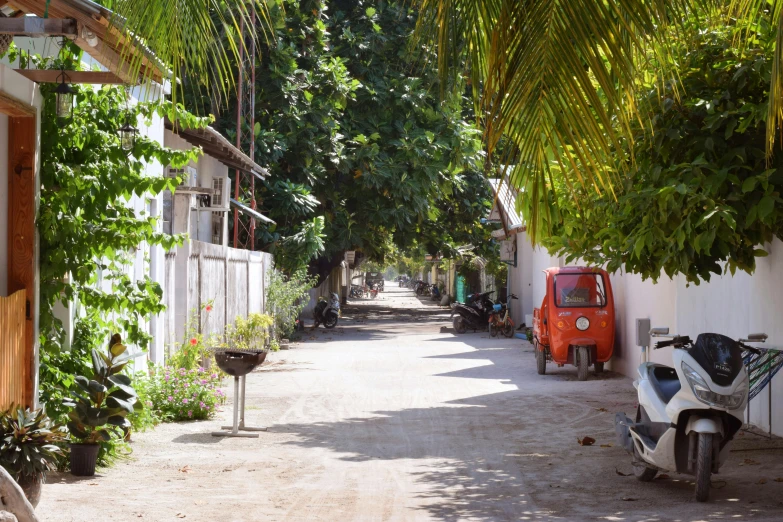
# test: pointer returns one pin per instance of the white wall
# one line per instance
(731, 305)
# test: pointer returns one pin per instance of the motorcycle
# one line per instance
(435, 293)
(357, 292)
(327, 312)
(500, 319)
(473, 314)
(421, 287)
(688, 414)
(373, 290)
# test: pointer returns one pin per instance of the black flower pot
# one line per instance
(31, 486)
(83, 459)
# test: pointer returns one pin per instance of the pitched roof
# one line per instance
(505, 206)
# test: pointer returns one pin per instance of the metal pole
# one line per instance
(769, 392)
(240, 79)
(236, 406)
(242, 411)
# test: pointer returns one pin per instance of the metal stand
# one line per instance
(239, 418)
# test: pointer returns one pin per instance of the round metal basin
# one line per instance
(239, 363)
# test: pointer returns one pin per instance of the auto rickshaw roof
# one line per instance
(574, 270)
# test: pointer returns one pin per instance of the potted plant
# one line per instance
(246, 344)
(100, 405)
(27, 448)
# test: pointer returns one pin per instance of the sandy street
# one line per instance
(392, 417)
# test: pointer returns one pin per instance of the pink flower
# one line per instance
(185, 385)
(167, 377)
(190, 413)
(202, 405)
(213, 376)
(184, 401)
(171, 398)
(203, 381)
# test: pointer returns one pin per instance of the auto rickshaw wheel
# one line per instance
(599, 367)
(540, 360)
(582, 361)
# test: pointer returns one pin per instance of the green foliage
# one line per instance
(251, 333)
(194, 352)
(176, 394)
(701, 193)
(28, 443)
(286, 297)
(374, 160)
(103, 399)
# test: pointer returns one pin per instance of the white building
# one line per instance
(732, 305)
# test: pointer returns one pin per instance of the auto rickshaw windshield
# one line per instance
(579, 290)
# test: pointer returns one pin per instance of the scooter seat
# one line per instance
(665, 382)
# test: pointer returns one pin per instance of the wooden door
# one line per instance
(14, 367)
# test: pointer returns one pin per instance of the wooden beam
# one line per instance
(54, 76)
(15, 108)
(34, 26)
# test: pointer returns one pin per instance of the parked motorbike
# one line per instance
(500, 319)
(373, 290)
(474, 314)
(357, 292)
(435, 293)
(327, 312)
(688, 414)
(421, 287)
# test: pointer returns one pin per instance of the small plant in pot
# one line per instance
(28, 448)
(101, 404)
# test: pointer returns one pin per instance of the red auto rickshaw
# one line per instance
(575, 324)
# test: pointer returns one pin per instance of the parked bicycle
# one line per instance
(500, 319)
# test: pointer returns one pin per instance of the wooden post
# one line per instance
(21, 234)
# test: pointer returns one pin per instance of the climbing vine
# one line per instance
(94, 221)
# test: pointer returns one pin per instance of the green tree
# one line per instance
(701, 193)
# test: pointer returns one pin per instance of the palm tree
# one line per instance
(555, 81)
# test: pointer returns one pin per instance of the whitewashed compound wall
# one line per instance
(233, 281)
(731, 305)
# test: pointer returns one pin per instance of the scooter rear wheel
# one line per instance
(643, 473)
(459, 325)
(493, 330)
(330, 321)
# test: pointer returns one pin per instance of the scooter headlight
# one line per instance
(583, 323)
(702, 391)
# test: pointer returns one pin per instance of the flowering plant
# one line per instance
(193, 352)
(183, 394)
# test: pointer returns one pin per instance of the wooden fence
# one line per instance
(15, 359)
(233, 281)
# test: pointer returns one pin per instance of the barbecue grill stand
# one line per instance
(239, 365)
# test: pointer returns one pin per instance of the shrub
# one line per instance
(286, 297)
(182, 394)
(28, 441)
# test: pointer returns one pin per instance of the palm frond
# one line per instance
(187, 36)
(555, 81)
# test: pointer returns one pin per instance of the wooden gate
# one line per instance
(15, 366)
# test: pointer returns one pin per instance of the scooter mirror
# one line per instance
(656, 332)
(757, 337)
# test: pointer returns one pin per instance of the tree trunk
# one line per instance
(12, 500)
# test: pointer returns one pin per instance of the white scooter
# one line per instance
(687, 415)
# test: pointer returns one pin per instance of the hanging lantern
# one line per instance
(65, 99)
(128, 135)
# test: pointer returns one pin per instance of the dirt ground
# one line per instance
(391, 416)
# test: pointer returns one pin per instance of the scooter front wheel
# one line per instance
(704, 467)
(330, 321)
(508, 329)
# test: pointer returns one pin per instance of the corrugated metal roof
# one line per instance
(506, 201)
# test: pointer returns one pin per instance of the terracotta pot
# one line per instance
(83, 459)
(31, 485)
